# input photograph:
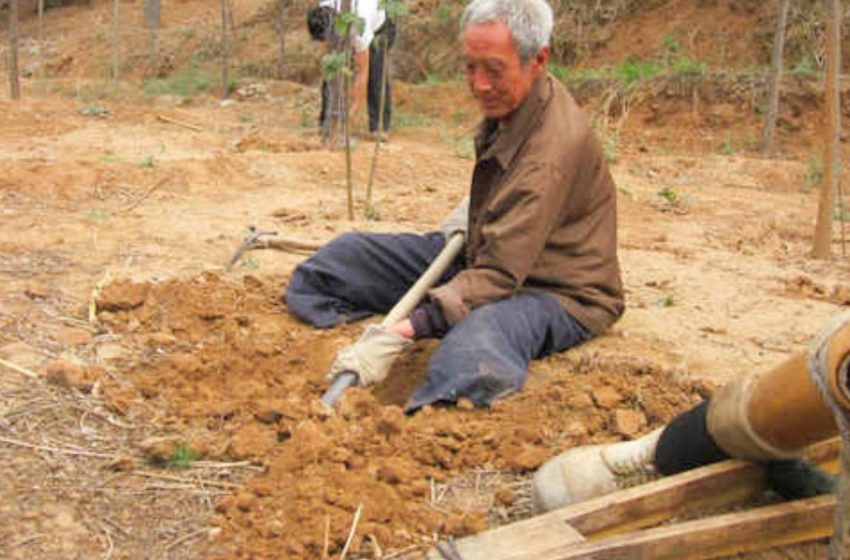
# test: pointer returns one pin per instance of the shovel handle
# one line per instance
(403, 308)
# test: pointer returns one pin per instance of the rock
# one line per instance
(606, 397)
(579, 401)
(121, 463)
(505, 496)
(630, 423)
(459, 525)
(70, 376)
(111, 352)
(122, 296)
(161, 340)
(527, 459)
(70, 336)
(35, 290)
(576, 429)
(159, 449)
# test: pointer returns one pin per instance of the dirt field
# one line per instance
(164, 408)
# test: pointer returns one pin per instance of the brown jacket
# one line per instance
(542, 214)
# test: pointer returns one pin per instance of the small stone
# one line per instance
(576, 429)
(579, 401)
(527, 459)
(111, 352)
(505, 496)
(606, 397)
(465, 404)
(34, 290)
(630, 423)
(73, 337)
(121, 463)
(70, 376)
(159, 449)
(122, 296)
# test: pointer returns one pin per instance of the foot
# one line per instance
(589, 471)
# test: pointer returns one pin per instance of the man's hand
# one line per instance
(372, 355)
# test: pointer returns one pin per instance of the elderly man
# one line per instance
(539, 273)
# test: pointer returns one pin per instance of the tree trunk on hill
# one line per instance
(225, 79)
(152, 22)
(832, 154)
(281, 33)
(772, 109)
(116, 12)
(14, 80)
(42, 71)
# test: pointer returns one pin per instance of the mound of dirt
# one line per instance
(239, 378)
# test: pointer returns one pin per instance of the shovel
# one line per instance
(402, 309)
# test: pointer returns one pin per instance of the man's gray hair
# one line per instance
(529, 21)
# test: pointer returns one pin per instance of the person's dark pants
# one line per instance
(483, 358)
(380, 46)
(383, 41)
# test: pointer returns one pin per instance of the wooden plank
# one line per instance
(715, 537)
(719, 484)
(637, 507)
(539, 533)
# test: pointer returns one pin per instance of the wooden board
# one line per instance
(714, 537)
(724, 483)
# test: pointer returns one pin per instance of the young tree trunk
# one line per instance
(371, 212)
(281, 33)
(832, 155)
(772, 109)
(116, 12)
(225, 79)
(346, 121)
(231, 15)
(152, 22)
(42, 71)
(14, 79)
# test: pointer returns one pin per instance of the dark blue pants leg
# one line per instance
(485, 357)
(359, 274)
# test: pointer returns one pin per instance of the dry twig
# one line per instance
(352, 532)
(177, 122)
(20, 369)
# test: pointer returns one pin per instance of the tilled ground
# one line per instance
(239, 379)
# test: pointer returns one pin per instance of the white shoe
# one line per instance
(589, 471)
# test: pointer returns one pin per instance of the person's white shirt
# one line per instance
(371, 14)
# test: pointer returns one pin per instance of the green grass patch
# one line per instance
(186, 83)
(183, 456)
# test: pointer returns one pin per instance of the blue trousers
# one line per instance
(483, 358)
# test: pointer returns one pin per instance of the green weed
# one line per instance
(804, 68)
(97, 216)
(408, 120)
(94, 111)
(666, 300)
(250, 263)
(560, 72)
(631, 71)
(183, 456)
(814, 175)
(148, 161)
(187, 83)
(688, 66)
(670, 196)
(728, 147)
(841, 215)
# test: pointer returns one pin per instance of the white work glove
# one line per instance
(458, 220)
(371, 356)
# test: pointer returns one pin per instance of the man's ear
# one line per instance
(542, 57)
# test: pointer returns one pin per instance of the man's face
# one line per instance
(496, 77)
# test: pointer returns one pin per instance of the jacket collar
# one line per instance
(512, 131)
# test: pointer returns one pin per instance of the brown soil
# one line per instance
(164, 408)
